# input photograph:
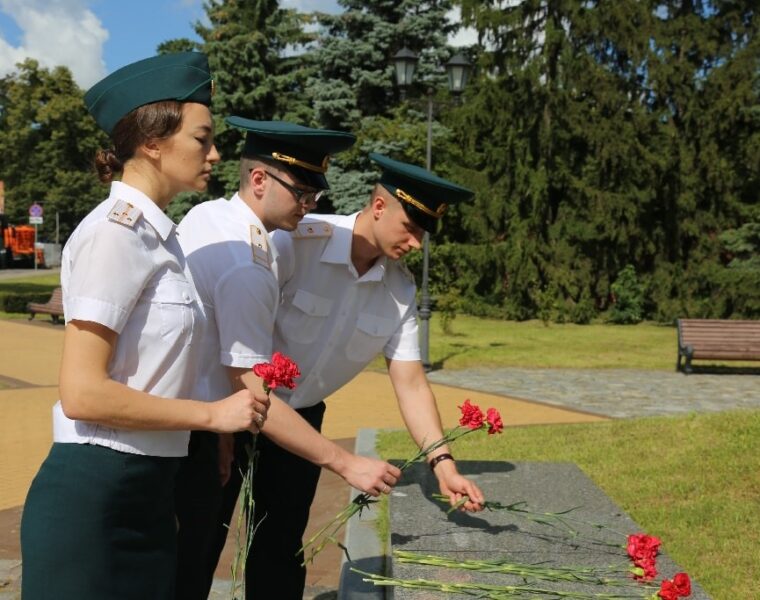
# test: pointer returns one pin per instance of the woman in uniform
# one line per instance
(99, 521)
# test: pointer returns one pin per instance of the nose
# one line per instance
(309, 204)
(415, 241)
(213, 155)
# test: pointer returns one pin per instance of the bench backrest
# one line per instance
(56, 298)
(720, 338)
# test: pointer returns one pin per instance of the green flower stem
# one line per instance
(327, 534)
(484, 590)
(551, 519)
(245, 528)
(593, 575)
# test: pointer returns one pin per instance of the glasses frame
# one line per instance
(303, 197)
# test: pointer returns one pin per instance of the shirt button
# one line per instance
(186, 297)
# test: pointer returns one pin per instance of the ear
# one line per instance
(152, 149)
(379, 206)
(257, 180)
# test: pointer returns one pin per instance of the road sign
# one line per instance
(35, 220)
(35, 210)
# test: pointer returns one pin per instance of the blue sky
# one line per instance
(95, 37)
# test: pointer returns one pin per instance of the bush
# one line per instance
(627, 306)
(15, 302)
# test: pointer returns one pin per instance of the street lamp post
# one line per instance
(458, 69)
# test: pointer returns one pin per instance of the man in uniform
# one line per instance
(234, 269)
(345, 298)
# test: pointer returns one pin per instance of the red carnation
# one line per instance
(286, 370)
(682, 584)
(649, 566)
(494, 421)
(642, 546)
(279, 373)
(472, 416)
(668, 590)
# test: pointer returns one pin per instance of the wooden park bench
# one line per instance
(53, 307)
(716, 339)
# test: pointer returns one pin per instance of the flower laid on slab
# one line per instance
(472, 419)
(643, 550)
(604, 577)
(678, 587)
(488, 590)
(610, 575)
(281, 372)
(640, 547)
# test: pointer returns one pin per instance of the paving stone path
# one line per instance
(619, 393)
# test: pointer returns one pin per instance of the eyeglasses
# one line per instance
(304, 197)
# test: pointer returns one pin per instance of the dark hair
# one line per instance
(154, 121)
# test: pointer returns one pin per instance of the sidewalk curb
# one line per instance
(362, 542)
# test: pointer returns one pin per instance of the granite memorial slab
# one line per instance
(422, 525)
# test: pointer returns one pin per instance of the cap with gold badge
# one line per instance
(303, 151)
(424, 196)
(182, 76)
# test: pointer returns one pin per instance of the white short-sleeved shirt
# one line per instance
(123, 268)
(333, 322)
(233, 267)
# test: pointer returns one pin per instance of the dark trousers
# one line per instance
(198, 500)
(283, 488)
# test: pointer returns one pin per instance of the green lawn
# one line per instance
(475, 342)
(694, 481)
(32, 283)
(41, 282)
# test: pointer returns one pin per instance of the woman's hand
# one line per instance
(240, 411)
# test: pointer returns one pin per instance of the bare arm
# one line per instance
(89, 394)
(420, 413)
(288, 429)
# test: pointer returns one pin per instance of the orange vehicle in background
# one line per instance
(18, 246)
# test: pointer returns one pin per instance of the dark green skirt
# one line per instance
(99, 524)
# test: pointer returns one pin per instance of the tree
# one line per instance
(48, 142)
(611, 133)
(248, 44)
(353, 86)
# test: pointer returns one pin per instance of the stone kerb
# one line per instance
(422, 525)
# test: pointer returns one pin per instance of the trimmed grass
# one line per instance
(475, 342)
(43, 283)
(32, 283)
(691, 480)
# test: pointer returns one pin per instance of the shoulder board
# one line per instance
(312, 230)
(125, 213)
(260, 246)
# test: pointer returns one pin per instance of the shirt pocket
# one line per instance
(369, 337)
(175, 301)
(304, 318)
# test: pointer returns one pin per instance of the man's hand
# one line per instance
(369, 475)
(456, 487)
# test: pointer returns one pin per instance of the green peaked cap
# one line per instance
(303, 151)
(423, 194)
(182, 76)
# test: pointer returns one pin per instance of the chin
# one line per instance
(289, 226)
